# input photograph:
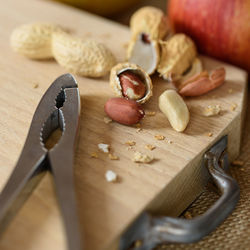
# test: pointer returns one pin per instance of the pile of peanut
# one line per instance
(41, 41)
(153, 47)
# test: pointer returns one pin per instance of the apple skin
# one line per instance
(220, 28)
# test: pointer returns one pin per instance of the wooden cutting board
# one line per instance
(167, 185)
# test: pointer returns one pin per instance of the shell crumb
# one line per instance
(94, 155)
(188, 215)
(150, 147)
(130, 143)
(107, 120)
(138, 130)
(104, 147)
(169, 141)
(35, 85)
(230, 91)
(209, 134)
(113, 157)
(233, 106)
(143, 158)
(159, 137)
(111, 176)
(150, 113)
(238, 163)
(212, 110)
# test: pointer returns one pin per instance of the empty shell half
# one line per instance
(130, 81)
(194, 69)
(144, 52)
(177, 56)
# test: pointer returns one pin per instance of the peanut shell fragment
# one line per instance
(150, 21)
(177, 55)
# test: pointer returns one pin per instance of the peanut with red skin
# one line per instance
(132, 86)
(124, 111)
(201, 84)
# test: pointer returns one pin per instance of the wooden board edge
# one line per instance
(163, 204)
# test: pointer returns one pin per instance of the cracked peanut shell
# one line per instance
(144, 53)
(85, 58)
(34, 40)
(177, 55)
(151, 21)
(131, 68)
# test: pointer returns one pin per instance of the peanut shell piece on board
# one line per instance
(82, 57)
(132, 69)
(148, 25)
(177, 55)
(195, 68)
(34, 40)
(144, 52)
(150, 21)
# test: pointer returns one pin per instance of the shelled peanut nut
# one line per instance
(202, 83)
(124, 111)
(130, 81)
(132, 86)
(176, 110)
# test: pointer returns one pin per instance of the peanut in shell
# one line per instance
(85, 58)
(116, 85)
(34, 40)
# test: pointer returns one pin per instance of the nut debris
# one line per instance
(230, 91)
(150, 147)
(130, 143)
(94, 155)
(188, 215)
(35, 85)
(107, 120)
(143, 158)
(238, 163)
(159, 137)
(212, 110)
(104, 147)
(209, 134)
(113, 157)
(111, 176)
(233, 106)
(150, 113)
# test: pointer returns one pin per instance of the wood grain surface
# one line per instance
(167, 185)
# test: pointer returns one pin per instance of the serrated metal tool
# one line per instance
(59, 108)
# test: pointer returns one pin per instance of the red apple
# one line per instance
(220, 28)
